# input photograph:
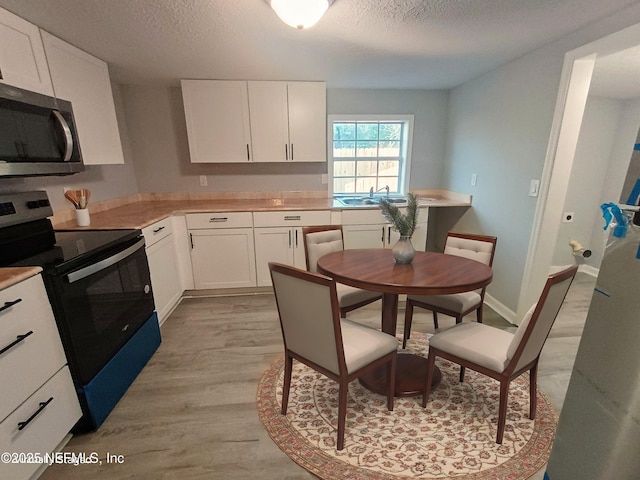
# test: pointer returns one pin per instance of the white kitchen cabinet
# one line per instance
(84, 80)
(38, 406)
(278, 238)
(161, 254)
(22, 59)
(222, 250)
(217, 118)
(288, 121)
(369, 229)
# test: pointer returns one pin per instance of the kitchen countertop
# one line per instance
(140, 214)
(11, 275)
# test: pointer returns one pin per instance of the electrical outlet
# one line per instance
(567, 217)
(203, 181)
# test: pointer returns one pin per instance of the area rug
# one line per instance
(454, 437)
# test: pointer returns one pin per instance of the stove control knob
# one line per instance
(31, 204)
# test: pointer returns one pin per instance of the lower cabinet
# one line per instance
(163, 267)
(222, 250)
(369, 229)
(278, 238)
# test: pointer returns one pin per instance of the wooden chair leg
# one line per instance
(502, 409)
(533, 391)
(342, 412)
(462, 370)
(288, 368)
(391, 385)
(431, 363)
(479, 313)
(435, 319)
(408, 318)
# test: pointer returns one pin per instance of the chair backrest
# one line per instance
(476, 247)
(320, 240)
(309, 315)
(532, 333)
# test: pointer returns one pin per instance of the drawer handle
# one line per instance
(19, 338)
(159, 229)
(292, 217)
(218, 219)
(9, 304)
(43, 405)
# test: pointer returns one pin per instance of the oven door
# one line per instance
(101, 304)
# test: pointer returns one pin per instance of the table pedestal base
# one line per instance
(411, 372)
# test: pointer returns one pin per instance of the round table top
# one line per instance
(429, 273)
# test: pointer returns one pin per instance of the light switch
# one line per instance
(203, 180)
(534, 187)
(474, 179)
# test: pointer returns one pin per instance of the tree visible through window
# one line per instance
(369, 154)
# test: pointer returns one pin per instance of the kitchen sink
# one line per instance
(367, 201)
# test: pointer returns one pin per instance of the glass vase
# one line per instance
(403, 251)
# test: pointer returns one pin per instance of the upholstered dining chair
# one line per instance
(323, 239)
(476, 247)
(314, 334)
(499, 354)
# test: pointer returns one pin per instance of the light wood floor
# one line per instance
(191, 414)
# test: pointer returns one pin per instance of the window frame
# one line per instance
(405, 166)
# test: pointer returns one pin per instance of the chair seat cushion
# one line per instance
(487, 346)
(348, 295)
(363, 344)
(456, 302)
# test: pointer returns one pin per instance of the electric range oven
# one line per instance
(99, 287)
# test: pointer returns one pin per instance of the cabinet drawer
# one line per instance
(300, 218)
(219, 220)
(58, 411)
(30, 336)
(157, 231)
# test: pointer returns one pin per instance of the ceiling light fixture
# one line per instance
(300, 13)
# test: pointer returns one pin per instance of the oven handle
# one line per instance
(107, 262)
(66, 133)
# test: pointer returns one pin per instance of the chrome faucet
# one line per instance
(371, 192)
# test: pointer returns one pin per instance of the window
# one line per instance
(370, 152)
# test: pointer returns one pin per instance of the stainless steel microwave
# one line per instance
(37, 135)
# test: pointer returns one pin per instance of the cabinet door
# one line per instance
(223, 258)
(307, 121)
(84, 80)
(269, 121)
(273, 244)
(217, 118)
(364, 236)
(164, 276)
(22, 60)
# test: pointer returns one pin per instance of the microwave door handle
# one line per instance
(66, 133)
(106, 263)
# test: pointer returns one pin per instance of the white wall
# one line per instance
(499, 127)
(158, 137)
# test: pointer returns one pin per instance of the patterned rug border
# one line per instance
(526, 462)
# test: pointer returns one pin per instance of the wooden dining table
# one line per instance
(429, 273)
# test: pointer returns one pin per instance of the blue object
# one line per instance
(546, 476)
(104, 391)
(609, 211)
(635, 194)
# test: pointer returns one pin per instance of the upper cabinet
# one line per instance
(288, 121)
(22, 60)
(217, 117)
(84, 80)
(238, 121)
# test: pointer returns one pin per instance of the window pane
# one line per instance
(344, 185)
(367, 149)
(367, 169)
(367, 131)
(389, 149)
(344, 131)
(390, 131)
(364, 184)
(344, 169)
(344, 149)
(389, 167)
(391, 181)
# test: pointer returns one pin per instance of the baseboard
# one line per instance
(502, 310)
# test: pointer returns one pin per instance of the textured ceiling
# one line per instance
(358, 44)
